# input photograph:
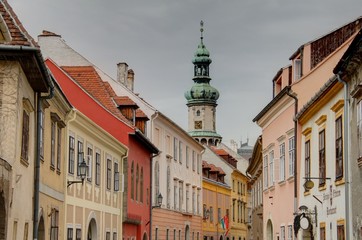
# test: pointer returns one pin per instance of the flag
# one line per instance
(225, 224)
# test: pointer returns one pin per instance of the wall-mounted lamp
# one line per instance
(159, 201)
(309, 184)
(82, 168)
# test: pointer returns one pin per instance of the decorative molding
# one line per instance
(322, 119)
(338, 105)
(307, 131)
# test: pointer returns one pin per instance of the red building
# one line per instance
(118, 116)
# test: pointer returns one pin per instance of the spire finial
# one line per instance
(201, 30)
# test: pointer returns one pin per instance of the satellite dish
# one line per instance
(304, 222)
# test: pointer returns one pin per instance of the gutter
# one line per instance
(293, 95)
(345, 157)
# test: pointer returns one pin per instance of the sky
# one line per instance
(248, 41)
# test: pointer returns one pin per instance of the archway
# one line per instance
(41, 229)
(221, 237)
(187, 232)
(92, 230)
(269, 230)
(2, 217)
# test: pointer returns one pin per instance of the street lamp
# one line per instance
(159, 201)
(82, 167)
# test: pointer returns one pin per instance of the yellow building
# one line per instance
(239, 216)
(52, 166)
(216, 203)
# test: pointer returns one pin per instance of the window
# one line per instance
(198, 163)
(71, 154)
(116, 177)
(141, 186)
(167, 234)
(340, 231)
(157, 180)
(265, 171)
(41, 137)
(59, 147)
(156, 233)
(78, 234)
(69, 233)
(339, 149)
(193, 201)
(180, 151)
(290, 232)
(25, 137)
(174, 234)
(307, 159)
(98, 168)
(52, 148)
(211, 214)
(282, 233)
(193, 160)
(175, 195)
(114, 236)
(108, 236)
(109, 173)
(187, 197)
(175, 149)
(54, 228)
(80, 156)
(26, 231)
(198, 201)
(271, 167)
(187, 157)
(282, 162)
(137, 182)
(322, 232)
(291, 156)
(132, 180)
(168, 198)
(297, 69)
(89, 163)
(322, 158)
(181, 195)
(359, 128)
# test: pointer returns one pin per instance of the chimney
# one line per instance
(122, 72)
(130, 79)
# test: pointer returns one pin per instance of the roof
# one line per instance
(352, 57)
(89, 79)
(18, 35)
(124, 101)
(17, 45)
(140, 114)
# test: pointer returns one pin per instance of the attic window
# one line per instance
(297, 66)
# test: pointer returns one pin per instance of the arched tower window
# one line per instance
(198, 113)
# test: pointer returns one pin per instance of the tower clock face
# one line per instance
(198, 124)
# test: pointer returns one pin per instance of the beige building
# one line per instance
(93, 208)
(23, 77)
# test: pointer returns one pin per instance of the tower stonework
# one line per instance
(202, 99)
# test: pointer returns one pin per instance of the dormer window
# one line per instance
(297, 67)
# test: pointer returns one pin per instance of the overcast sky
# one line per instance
(248, 40)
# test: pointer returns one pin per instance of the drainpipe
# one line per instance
(345, 153)
(292, 95)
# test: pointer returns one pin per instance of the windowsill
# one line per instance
(58, 172)
(52, 167)
(322, 187)
(281, 183)
(339, 182)
(290, 178)
(24, 162)
(306, 193)
(272, 188)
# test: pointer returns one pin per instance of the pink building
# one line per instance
(293, 86)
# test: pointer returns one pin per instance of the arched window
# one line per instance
(198, 113)
(141, 186)
(157, 180)
(137, 182)
(132, 180)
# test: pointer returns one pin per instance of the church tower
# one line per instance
(202, 99)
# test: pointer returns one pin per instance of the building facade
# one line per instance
(311, 67)
(255, 171)
(24, 79)
(349, 69)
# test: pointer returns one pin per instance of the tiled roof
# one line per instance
(124, 101)
(140, 114)
(88, 78)
(220, 152)
(18, 34)
(205, 164)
